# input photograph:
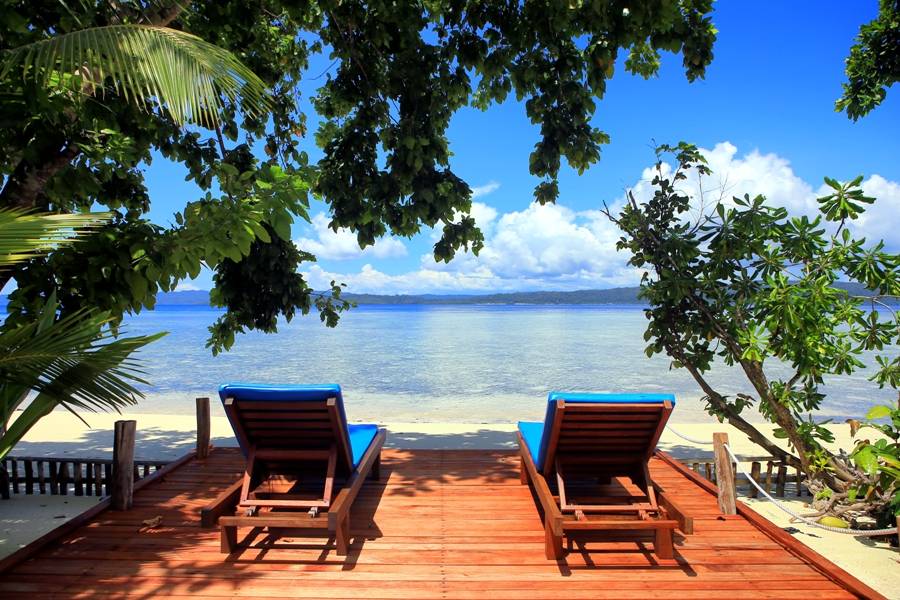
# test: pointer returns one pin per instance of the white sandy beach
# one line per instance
(170, 436)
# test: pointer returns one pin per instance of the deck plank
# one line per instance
(440, 524)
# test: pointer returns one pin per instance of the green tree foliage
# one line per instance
(400, 71)
(270, 270)
(70, 361)
(879, 461)
(754, 287)
(874, 62)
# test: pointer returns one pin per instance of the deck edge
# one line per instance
(830, 570)
(35, 546)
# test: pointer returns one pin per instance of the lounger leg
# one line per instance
(553, 542)
(376, 469)
(523, 474)
(228, 539)
(663, 543)
(342, 536)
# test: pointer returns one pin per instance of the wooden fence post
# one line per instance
(123, 465)
(724, 475)
(755, 470)
(4, 481)
(202, 427)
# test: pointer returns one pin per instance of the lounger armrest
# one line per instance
(668, 503)
(552, 514)
(344, 500)
(226, 502)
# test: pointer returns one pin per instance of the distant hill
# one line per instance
(622, 295)
(611, 296)
(626, 295)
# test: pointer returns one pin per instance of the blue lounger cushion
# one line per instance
(533, 432)
(359, 436)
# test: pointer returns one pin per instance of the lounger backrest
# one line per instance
(617, 428)
(289, 417)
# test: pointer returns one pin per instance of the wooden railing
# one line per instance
(64, 476)
(113, 477)
(772, 474)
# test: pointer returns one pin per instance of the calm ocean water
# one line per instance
(473, 364)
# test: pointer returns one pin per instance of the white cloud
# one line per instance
(184, 286)
(554, 247)
(342, 244)
(483, 190)
(772, 176)
(541, 247)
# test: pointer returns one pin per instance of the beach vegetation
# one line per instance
(736, 280)
(52, 361)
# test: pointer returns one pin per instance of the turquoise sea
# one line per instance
(469, 363)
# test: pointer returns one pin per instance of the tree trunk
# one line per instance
(736, 421)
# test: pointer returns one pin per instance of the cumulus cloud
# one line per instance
(555, 247)
(541, 247)
(342, 245)
(772, 176)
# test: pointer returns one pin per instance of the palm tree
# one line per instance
(70, 361)
(73, 361)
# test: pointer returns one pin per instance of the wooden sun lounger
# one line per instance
(591, 471)
(304, 468)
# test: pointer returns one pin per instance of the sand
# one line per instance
(170, 436)
(25, 518)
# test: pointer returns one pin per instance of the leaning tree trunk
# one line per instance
(735, 420)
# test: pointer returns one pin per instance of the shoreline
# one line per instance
(167, 437)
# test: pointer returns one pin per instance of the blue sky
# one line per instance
(764, 113)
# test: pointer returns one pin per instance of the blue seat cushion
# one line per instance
(316, 392)
(532, 432)
(359, 436)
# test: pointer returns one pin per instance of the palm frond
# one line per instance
(24, 236)
(68, 362)
(179, 72)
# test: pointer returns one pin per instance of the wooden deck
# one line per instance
(440, 524)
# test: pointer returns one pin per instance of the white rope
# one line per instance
(690, 439)
(810, 522)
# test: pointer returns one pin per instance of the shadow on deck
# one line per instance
(439, 524)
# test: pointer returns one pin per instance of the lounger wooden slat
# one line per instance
(304, 467)
(586, 443)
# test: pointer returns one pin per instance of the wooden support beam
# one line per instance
(727, 494)
(202, 428)
(123, 465)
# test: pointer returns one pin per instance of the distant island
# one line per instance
(620, 295)
(624, 295)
